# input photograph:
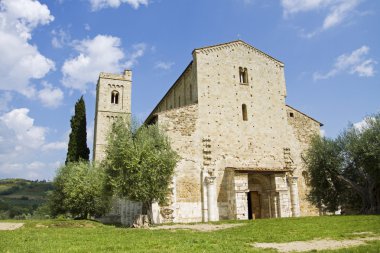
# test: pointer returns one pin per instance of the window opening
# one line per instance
(243, 75)
(244, 112)
(114, 97)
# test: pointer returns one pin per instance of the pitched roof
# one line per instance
(304, 114)
(235, 43)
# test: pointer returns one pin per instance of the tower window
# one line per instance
(291, 115)
(244, 112)
(114, 97)
(243, 75)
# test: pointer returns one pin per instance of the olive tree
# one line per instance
(79, 191)
(346, 171)
(139, 163)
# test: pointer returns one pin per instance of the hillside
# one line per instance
(20, 196)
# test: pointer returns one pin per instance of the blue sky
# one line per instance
(51, 53)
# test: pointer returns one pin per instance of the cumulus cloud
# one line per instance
(21, 143)
(102, 53)
(336, 11)
(49, 96)
(25, 133)
(21, 61)
(355, 62)
(163, 65)
(100, 4)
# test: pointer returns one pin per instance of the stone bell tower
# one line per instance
(113, 100)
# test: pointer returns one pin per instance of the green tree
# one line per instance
(346, 171)
(77, 147)
(79, 191)
(139, 163)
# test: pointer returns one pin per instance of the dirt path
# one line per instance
(198, 227)
(326, 244)
(10, 226)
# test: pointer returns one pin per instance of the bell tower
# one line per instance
(113, 100)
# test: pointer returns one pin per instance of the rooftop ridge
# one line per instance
(233, 44)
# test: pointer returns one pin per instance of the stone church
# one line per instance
(240, 144)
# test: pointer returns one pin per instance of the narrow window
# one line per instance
(114, 97)
(244, 111)
(243, 75)
(179, 101)
(291, 114)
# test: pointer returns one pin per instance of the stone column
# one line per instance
(211, 199)
(275, 205)
(294, 199)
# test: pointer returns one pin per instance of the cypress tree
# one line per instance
(77, 148)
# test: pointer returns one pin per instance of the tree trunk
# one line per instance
(141, 221)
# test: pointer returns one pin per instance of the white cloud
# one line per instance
(25, 134)
(21, 61)
(100, 4)
(49, 96)
(163, 65)
(336, 11)
(29, 170)
(339, 12)
(21, 142)
(59, 145)
(137, 52)
(361, 125)
(354, 63)
(322, 132)
(87, 27)
(60, 38)
(100, 54)
(5, 98)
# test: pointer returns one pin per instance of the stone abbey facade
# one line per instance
(240, 144)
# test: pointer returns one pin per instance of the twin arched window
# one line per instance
(114, 97)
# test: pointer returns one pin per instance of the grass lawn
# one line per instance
(88, 236)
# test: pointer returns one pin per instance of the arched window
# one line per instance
(244, 112)
(114, 97)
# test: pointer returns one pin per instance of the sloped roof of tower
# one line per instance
(234, 44)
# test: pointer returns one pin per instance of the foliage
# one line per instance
(346, 171)
(20, 197)
(79, 190)
(77, 147)
(139, 162)
(87, 236)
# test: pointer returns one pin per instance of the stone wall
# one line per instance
(183, 92)
(180, 125)
(302, 129)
